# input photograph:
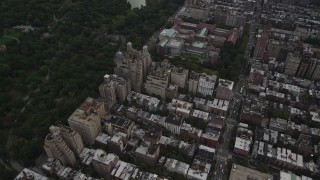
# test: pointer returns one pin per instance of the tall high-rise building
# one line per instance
(73, 139)
(312, 66)
(56, 147)
(193, 82)
(179, 76)
(113, 89)
(292, 64)
(86, 120)
(316, 72)
(158, 79)
(262, 42)
(133, 66)
(305, 63)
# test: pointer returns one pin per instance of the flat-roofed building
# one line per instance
(210, 139)
(173, 165)
(206, 84)
(243, 140)
(224, 90)
(173, 123)
(103, 163)
(149, 102)
(292, 64)
(240, 172)
(148, 152)
(199, 170)
(278, 124)
(179, 76)
(291, 176)
(179, 107)
(118, 123)
(27, 174)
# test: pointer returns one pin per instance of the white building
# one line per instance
(173, 123)
(137, 3)
(206, 84)
(173, 165)
(290, 176)
(29, 174)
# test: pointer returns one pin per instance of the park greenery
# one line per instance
(47, 73)
(45, 78)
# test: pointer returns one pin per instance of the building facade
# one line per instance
(86, 120)
(56, 147)
(179, 77)
(133, 66)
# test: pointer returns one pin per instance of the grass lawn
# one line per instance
(5, 40)
(9, 32)
(13, 32)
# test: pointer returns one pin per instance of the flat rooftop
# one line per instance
(199, 44)
(240, 173)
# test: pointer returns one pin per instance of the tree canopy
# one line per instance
(55, 67)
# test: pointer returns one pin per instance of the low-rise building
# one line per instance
(173, 123)
(190, 132)
(86, 156)
(199, 170)
(217, 106)
(210, 139)
(290, 176)
(278, 124)
(241, 172)
(206, 84)
(149, 102)
(256, 76)
(200, 115)
(29, 174)
(117, 142)
(103, 139)
(103, 163)
(243, 140)
(179, 107)
(252, 111)
(148, 152)
(173, 165)
(118, 124)
(205, 154)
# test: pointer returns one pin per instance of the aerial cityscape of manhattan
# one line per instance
(160, 90)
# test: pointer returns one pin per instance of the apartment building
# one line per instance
(86, 120)
(56, 147)
(133, 66)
